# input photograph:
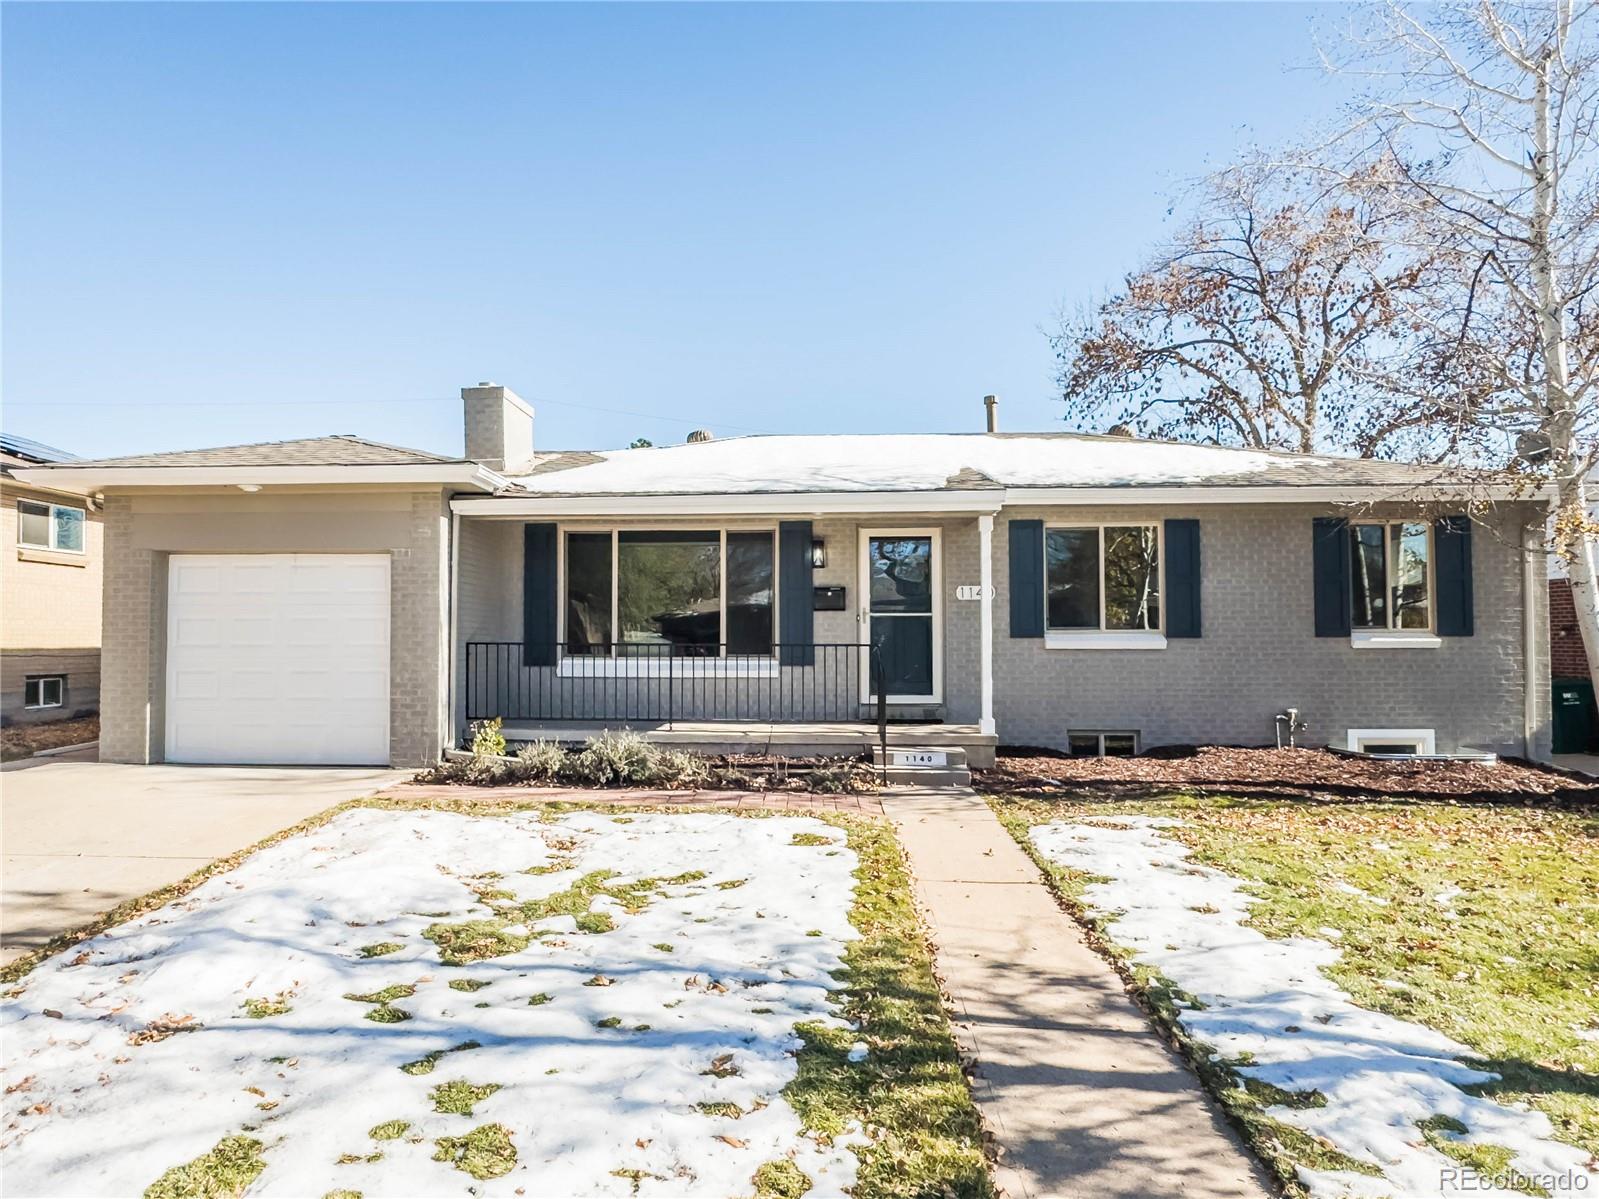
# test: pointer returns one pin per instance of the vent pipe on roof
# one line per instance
(698, 436)
(991, 404)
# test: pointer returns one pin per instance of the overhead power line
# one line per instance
(537, 400)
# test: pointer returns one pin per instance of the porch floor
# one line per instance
(830, 738)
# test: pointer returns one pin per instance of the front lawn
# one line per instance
(1346, 975)
(428, 1002)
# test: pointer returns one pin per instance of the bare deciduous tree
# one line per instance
(1260, 324)
(1484, 116)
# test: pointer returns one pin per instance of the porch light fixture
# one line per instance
(818, 554)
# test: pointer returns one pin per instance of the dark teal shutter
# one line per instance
(1026, 578)
(796, 622)
(538, 595)
(1452, 547)
(1182, 578)
(1330, 575)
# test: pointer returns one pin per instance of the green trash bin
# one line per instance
(1574, 716)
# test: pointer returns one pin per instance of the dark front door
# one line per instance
(900, 599)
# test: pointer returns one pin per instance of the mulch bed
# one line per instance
(1275, 772)
(25, 740)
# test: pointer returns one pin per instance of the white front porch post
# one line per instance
(985, 556)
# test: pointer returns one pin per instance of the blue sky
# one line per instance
(243, 222)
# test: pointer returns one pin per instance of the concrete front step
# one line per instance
(951, 756)
(928, 776)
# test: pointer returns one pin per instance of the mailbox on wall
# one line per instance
(827, 599)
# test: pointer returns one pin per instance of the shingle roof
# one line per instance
(953, 462)
(338, 450)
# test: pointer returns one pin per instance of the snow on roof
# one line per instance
(939, 462)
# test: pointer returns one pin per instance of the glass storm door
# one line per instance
(901, 587)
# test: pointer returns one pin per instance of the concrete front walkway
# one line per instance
(82, 836)
(1082, 1096)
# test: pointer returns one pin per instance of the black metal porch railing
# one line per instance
(660, 684)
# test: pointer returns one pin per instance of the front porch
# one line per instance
(730, 633)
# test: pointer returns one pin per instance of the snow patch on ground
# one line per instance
(1269, 999)
(720, 975)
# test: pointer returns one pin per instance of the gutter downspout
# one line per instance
(451, 726)
(1529, 645)
(985, 544)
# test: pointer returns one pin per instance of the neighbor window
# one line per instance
(50, 526)
(1105, 577)
(44, 691)
(672, 593)
(1389, 575)
(1086, 744)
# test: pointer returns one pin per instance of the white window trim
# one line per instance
(1103, 638)
(50, 535)
(60, 680)
(1425, 740)
(619, 665)
(1101, 734)
(1392, 637)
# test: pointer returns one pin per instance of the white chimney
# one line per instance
(499, 428)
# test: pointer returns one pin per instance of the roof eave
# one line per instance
(470, 476)
(522, 504)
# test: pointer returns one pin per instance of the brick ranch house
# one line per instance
(339, 601)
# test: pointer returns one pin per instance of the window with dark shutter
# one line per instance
(1026, 578)
(538, 594)
(1330, 575)
(1452, 551)
(1182, 578)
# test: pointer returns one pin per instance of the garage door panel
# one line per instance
(278, 658)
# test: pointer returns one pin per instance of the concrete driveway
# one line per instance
(82, 836)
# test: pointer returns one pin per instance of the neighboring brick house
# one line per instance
(1568, 657)
(50, 585)
(336, 600)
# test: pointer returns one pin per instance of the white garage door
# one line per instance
(278, 658)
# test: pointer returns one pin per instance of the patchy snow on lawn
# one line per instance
(1268, 998)
(138, 1051)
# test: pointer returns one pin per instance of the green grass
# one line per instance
(474, 940)
(426, 1063)
(468, 984)
(1507, 967)
(222, 1173)
(389, 1130)
(386, 995)
(380, 949)
(485, 1152)
(260, 1009)
(538, 1000)
(780, 1180)
(909, 1093)
(458, 1097)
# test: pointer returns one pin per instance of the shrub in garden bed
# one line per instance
(627, 760)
